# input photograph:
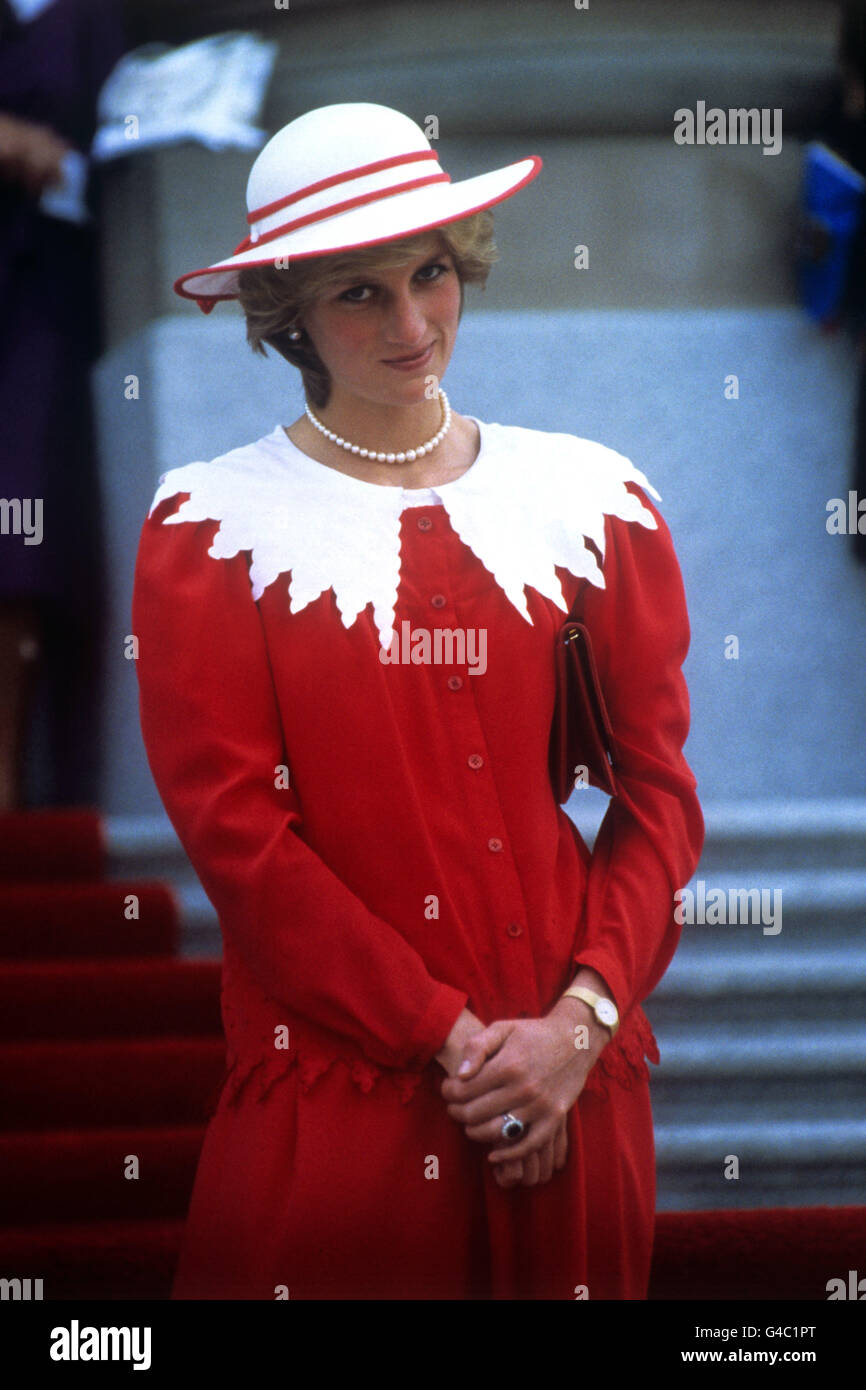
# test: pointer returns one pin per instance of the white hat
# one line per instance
(341, 177)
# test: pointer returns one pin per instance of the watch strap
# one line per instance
(589, 996)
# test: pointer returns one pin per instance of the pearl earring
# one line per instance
(296, 335)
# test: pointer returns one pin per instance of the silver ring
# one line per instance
(513, 1128)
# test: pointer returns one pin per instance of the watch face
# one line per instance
(606, 1012)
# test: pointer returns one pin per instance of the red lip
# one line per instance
(408, 361)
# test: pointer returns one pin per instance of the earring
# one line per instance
(296, 335)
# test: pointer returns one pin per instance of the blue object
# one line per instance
(833, 202)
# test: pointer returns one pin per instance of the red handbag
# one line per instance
(580, 735)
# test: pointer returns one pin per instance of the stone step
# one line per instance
(789, 834)
(766, 1049)
(768, 901)
(690, 1188)
(795, 1163)
(786, 971)
(799, 1013)
(777, 1100)
(801, 985)
(816, 1141)
(771, 1091)
(806, 834)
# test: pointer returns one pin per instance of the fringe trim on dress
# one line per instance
(622, 1063)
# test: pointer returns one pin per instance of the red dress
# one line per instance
(367, 803)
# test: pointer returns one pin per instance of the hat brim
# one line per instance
(405, 214)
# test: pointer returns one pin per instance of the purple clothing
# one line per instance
(51, 71)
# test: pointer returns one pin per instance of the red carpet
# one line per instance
(787, 1253)
(110, 1046)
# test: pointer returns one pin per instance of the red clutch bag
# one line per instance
(581, 738)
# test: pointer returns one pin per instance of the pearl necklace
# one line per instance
(405, 455)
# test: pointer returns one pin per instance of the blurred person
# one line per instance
(54, 57)
(842, 128)
(437, 1082)
(848, 130)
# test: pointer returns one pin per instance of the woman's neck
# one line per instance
(457, 452)
(385, 428)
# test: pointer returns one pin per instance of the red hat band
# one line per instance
(370, 182)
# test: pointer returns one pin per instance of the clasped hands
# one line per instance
(531, 1067)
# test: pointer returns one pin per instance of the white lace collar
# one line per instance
(523, 507)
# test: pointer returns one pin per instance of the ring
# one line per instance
(513, 1128)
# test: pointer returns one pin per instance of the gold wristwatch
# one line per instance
(605, 1010)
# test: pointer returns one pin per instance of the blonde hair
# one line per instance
(274, 301)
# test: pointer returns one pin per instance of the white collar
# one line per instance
(523, 507)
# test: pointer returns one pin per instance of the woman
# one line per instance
(54, 58)
(346, 638)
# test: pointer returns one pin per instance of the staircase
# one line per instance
(762, 1032)
(110, 1054)
(111, 1057)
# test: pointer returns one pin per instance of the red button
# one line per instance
(475, 760)
(455, 682)
(494, 844)
(438, 600)
(514, 929)
(424, 523)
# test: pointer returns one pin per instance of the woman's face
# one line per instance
(361, 328)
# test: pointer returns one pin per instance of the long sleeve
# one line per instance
(650, 840)
(213, 734)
